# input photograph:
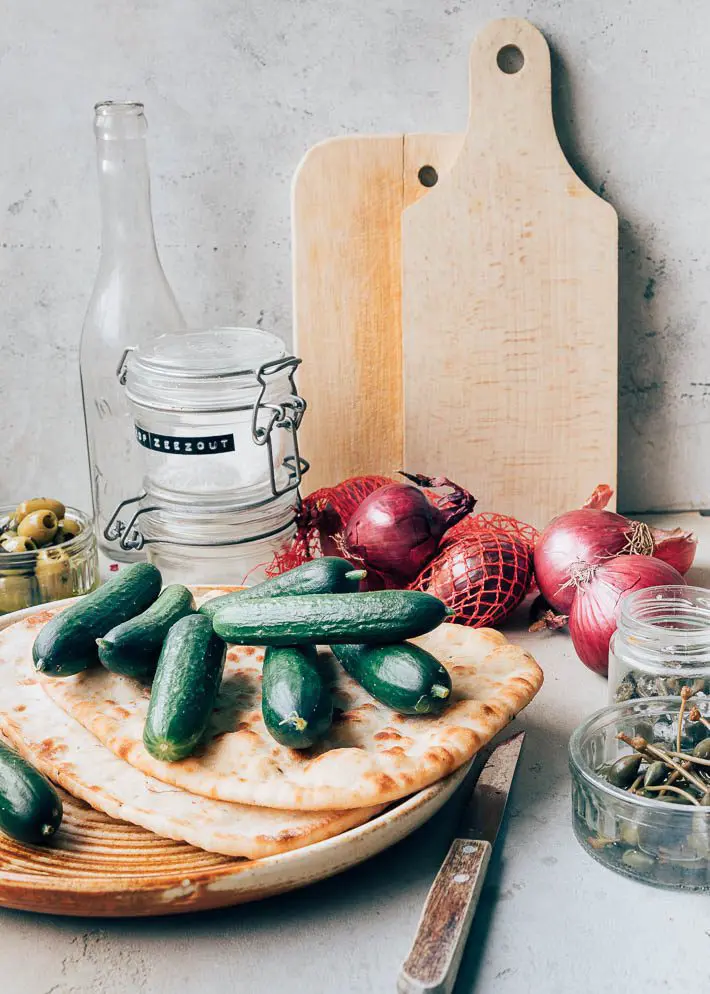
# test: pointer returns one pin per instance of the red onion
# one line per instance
(599, 591)
(586, 536)
(676, 547)
(397, 529)
(481, 574)
(592, 535)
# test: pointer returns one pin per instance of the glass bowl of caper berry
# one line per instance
(47, 552)
(641, 789)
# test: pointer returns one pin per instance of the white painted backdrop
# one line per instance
(236, 91)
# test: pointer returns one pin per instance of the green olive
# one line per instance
(656, 774)
(40, 526)
(702, 749)
(40, 504)
(54, 575)
(18, 591)
(625, 770)
(16, 543)
(67, 530)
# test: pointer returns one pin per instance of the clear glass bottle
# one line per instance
(131, 303)
(661, 644)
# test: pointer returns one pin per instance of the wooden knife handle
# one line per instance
(433, 962)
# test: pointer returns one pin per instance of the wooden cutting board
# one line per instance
(475, 333)
(348, 198)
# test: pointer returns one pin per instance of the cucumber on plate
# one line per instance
(30, 807)
(403, 677)
(296, 704)
(383, 616)
(67, 643)
(184, 689)
(133, 647)
(327, 575)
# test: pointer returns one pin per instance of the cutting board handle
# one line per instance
(510, 110)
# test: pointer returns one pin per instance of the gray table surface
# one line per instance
(551, 919)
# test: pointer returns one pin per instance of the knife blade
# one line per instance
(438, 946)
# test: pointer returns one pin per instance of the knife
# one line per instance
(434, 959)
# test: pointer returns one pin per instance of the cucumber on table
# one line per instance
(30, 807)
(67, 643)
(133, 647)
(295, 700)
(379, 616)
(184, 689)
(327, 575)
(403, 677)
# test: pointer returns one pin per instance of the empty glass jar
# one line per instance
(216, 413)
(662, 644)
(216, 417)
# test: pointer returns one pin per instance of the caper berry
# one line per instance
(702, 749)
(656, 774)
(637, 860)
(625, 770)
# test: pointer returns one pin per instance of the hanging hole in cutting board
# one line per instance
(428, 176)
(510, 59)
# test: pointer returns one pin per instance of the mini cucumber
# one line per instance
(185, 688)
(67, 643)
(403, 677)
(133, 648)
(295, 701)
(379, 616)
(30, 807)
(328, 575)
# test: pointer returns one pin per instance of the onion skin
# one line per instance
(585, 535)
(676, 547)
(599, 591)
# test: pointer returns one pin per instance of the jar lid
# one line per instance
(213, 370)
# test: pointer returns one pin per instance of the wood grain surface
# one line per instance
(348, 198)
(433, 962)
(510, 303)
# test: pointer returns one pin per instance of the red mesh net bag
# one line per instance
(483, 569)
(322, 519)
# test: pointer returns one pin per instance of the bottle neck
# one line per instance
(124, 184)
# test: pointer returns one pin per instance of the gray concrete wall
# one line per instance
(235, 93)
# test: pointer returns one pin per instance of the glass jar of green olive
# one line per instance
(31, 576)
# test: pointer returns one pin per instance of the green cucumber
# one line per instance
(403, 677)
(67, 643)
(328, 575)
(185, 688)
(379, 616)
(295, 700)
(133, 648)
(30, 807)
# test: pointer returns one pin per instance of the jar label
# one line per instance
(179, 445)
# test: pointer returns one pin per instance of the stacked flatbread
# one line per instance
(243, 794)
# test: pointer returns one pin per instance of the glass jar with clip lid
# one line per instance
(216, 416)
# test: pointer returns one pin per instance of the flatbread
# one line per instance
(78, 762)
(370, 756)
